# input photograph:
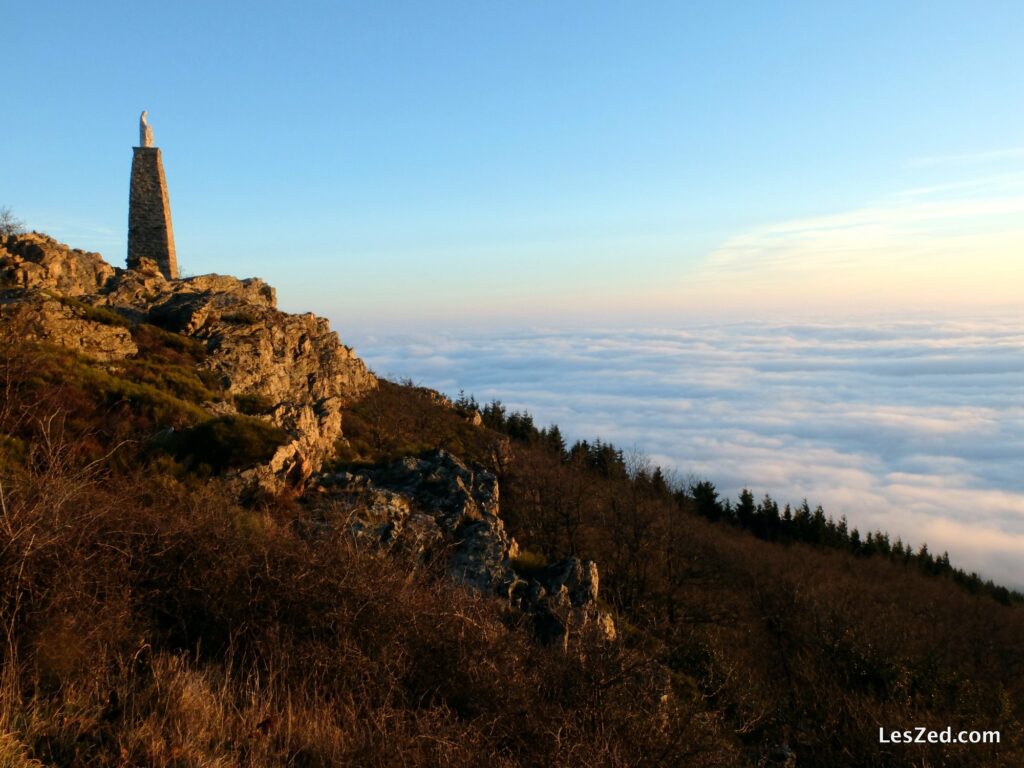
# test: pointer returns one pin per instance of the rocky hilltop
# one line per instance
(301, 378)
(294, 365)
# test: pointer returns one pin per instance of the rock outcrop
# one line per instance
(294, 363)
(68, 323)
(36, 261)
(437, 507)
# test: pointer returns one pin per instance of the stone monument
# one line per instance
(145, 131)
(150, 235)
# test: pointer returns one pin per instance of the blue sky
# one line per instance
(451, 163)
(525, 174)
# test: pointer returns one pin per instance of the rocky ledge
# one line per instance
(437, 509)
(293, 363)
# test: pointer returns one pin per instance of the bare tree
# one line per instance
(9, 223)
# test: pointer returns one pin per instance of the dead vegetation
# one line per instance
(150, 619)
(799, 647)
(148, 623)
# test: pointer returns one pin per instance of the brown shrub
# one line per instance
(154, 623)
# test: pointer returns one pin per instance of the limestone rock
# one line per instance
(44, 318)
(565, 600)
(34, 260)
(389, 520)
(578, 577)
(294, 362)
(461, 503)
(437, 506)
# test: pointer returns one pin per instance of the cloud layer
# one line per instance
(911, 426)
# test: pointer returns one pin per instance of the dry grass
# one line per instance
(148, 619)
(150, 622)
(791, 643)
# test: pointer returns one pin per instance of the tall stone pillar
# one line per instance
(150, 234)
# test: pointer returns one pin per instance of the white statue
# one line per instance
(145, 131)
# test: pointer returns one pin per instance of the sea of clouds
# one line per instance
(912, 426)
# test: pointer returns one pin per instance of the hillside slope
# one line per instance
(225, 542)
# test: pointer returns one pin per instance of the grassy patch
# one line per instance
(400, 420)
(254, 405)
(171, 362)
(529, 563)
(157, 344)
(230, 442)
(102, 315)
(176, 380)
(158, 401)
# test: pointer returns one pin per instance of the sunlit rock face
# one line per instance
(295, 363)
(36, 261)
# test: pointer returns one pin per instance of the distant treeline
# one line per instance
(764, 519)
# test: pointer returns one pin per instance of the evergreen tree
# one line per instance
(855, 545)
(842, 533)
(802, 522)
(745, 509)
(768, 523)
(819, 525)
(705, 498)
(555, 442)
(658, 483)
(494, 416)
